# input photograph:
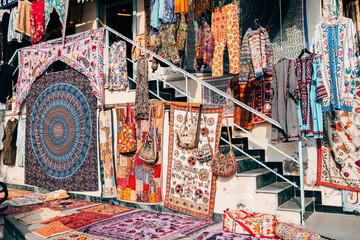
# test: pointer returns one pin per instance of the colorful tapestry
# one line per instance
(137, 181)
(339, 151)
(190, 185)
(14, 210)
(18, 202)
(351, 201)
(52, 229)
(106, 153)
(78, 236)
(66, 204)
(79, 220)
(148, 225)
(106, 209)
(40, 215)
(61, 133)
(83, 53)
(221, 235)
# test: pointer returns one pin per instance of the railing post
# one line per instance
(302, 194)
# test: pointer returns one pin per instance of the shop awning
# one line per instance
(5, 3)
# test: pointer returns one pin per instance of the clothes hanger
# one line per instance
(256, 24)
(304, 50)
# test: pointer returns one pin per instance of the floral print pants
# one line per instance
(225, 28)
(118, 77)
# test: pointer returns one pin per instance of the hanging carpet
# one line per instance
(190, 185)
(61, 133)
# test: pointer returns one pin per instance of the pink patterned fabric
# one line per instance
(83, 53)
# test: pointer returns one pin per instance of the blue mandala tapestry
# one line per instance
(61, 133)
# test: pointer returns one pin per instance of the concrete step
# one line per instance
(284, 191)
(263, 176)
(245, 164)
(294, 205)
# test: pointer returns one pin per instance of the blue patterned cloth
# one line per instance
(118, 77)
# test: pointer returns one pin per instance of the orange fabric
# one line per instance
(52, 229)
(59, 194)
(182, 6)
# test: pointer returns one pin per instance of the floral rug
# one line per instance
(66, 204)
(40, 215)
(193, 194)
(221, 235)
(14, 210)
(148, 225)
(79, 220)
(106, 209)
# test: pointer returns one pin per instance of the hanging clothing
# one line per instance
(165, 46)
(7, 81)
(204, 46)
(285, 95)
(20, 142)
(336, 41)
(155, 20)
(23, 19)
(225, 28)
(61, 7)
(12, 35)
(256, 54)
(1, 133)
(352, 10)
(262, 98)
(142, 89)
(118, 77)
(37, 21)
(181, 34)
(202, 7)
(9, 141)
(182, 6)
(167, 11)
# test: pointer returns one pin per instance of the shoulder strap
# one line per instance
(227, 126)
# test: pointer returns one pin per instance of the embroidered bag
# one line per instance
(126, 136)
(257, 224)
(286, 231)
(148, 149)
(224, 164)
(188, 136)
(205, 152)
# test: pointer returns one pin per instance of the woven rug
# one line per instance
(52, 229)
(61, 133)
(339, 150)
(193, 194)
(221, 235)
(106, 209)
(13, 210)
(138, 182)
(106, 153)
(75, 235)
(79, 220)
(66, 204)
(40, 215)
(148, 225)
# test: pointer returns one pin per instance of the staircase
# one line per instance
(265, 193)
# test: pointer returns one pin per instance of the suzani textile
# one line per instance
(118, 76)
(106, 152)
(79, 220)
(83, 53)
(106, 209)
(193, 194)
(61, 7)
(61, 133)
(336, 41)
(137, 181)
(148, 225)
(339, 152)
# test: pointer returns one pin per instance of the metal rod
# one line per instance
(186, 84)
(302, 193)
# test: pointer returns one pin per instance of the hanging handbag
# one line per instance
(205, 152)
(148, 150)
(224, 164)
(188, 137)
(126, 137)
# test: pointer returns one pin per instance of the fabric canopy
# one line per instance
(82, 52)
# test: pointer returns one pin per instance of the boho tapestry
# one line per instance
(137, 181)
(61, 133)
(190, 185)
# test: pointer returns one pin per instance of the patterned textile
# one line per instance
(61, 133)
(9, 142)
(210, 96)
(204, 46)
(336, 41)
(106, 152)
(118, 77)
(37, 21)
(167, 11)
(225, 29)
(351, 201)
(15, 193)
(262, 98)
(181, 32)
(61, 7)
(39, 215)
(136, 181)
(331, 8)
(52, 229)
(286, 231)
(195, 193)
(106, 209)
(339, 152)
(202, 7)
(142, 89)
(165, 46)
(148, 225)
(12, 34)
(78, 236)
(182, 6)
(256, 54)
(20, 142)
(19, 202)
(79, 220)
(83, 53)
(66, 204)
(14, 210)
(221, 235)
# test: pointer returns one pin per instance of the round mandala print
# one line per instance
(61, 129)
